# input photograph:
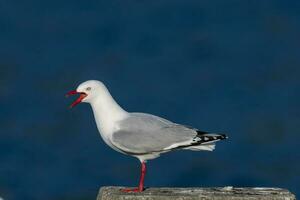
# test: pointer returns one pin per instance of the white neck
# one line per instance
(106, 111)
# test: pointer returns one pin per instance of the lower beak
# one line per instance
(79, 99)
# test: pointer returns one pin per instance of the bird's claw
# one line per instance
(132, 190)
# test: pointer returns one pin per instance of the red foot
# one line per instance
(132, 190)
(140, 188)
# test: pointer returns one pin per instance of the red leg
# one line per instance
(141, 184)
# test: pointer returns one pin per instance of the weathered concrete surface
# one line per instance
(226, 193)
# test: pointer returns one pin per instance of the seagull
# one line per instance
(141, 135)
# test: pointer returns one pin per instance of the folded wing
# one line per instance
(144, 133)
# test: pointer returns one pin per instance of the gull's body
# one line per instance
(141, 135)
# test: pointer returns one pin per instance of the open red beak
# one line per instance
(80, 98)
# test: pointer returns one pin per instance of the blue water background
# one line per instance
(221, 66)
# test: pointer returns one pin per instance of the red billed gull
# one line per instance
(141, 135)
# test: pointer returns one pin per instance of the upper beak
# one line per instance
(80, 98)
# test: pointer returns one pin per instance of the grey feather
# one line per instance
(142, 133)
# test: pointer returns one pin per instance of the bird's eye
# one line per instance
(88, 88)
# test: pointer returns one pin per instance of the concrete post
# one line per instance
(226, 193)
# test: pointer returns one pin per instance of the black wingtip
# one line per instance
(209, 137)
(220, 136)
(223, 137)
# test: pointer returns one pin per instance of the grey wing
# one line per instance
(144, 133)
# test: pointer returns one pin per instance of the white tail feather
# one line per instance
(203, 147)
